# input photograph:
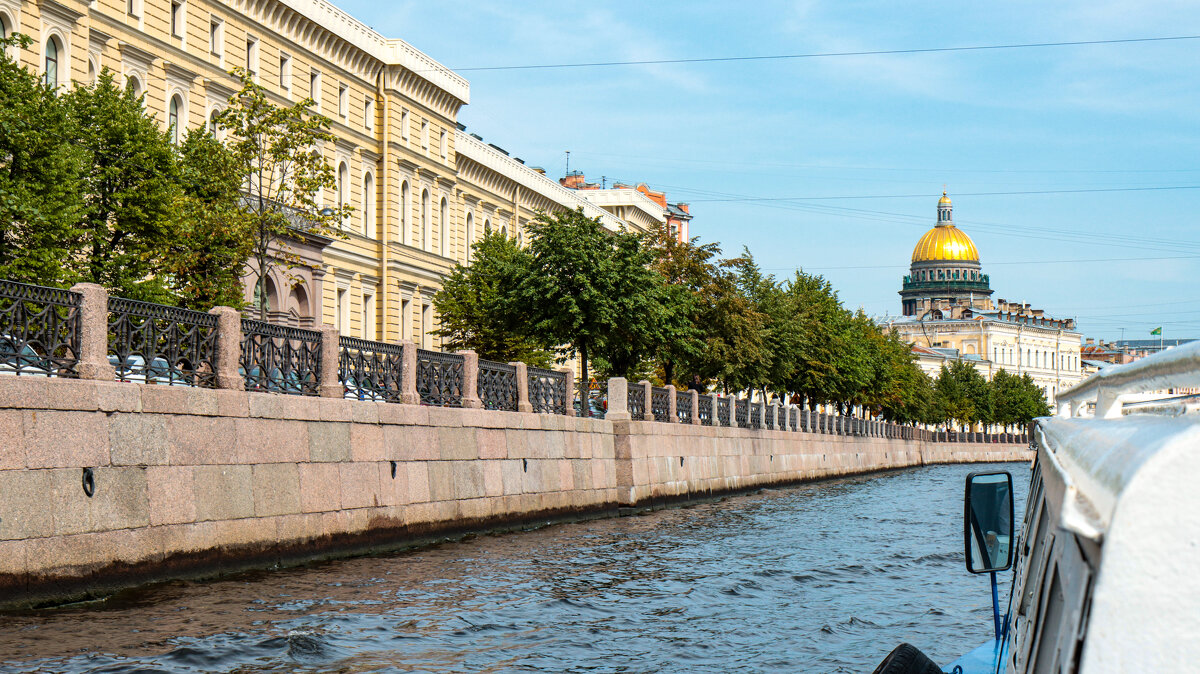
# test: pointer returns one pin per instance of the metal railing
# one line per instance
(439, 378)
(706, 410)
(768, 418)
(794, 420)
(156, 344)
(636, 402)
(741, 410)
(596, 395)
(39, 330)
(280, 359)
(547, 391)
(683, 407)
(370, 370)
(756, 416)
(723, 411)
(660, 403)
(498, 385)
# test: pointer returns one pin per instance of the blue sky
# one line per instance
(1072, 118)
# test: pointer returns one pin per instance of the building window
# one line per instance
(368, 205)
(425, 220)
(424, 134)
(368, 318)
(405, 234)
(369, 113)
(426, 315)
(404, 124)
(173, 118)
(314, 89)
(343, 102)
(342, 317)
(4, 26)
(405, 319)
(52, 54)
(216, 36)
(487, 227)
(343, 184)
(212, 121)
(444, 145)
(285, 73)
(178, 18)
(470, 236)
(133, 8)
(252, 57)
(444, 223)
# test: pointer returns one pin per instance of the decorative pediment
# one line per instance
(64, 11)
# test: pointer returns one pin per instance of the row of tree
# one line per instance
(652, 306)
(93, 189)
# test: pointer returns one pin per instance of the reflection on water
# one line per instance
(823, 577)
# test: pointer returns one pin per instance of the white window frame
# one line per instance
(178, 25)
(404, 124)
(369, 113)
(425, 134)
(314, 89)
(253, 47)
(344, 102)
(368, 204)
(444, 144)
(368, 316)
(216, 38)
(285, 72)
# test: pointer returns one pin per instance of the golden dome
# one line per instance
(944, 200)
(945, 242)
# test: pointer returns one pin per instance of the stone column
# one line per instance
(408, 373)
(229, 349)
(470, 383)
(672, 412)
(695, 407)
(93, 333)
(327, 372)
(523, 404)
(774, 412)
(618, 399)
(570, 392)
(712, 401)
(647, 391)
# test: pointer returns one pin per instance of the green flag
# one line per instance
(1156, 331)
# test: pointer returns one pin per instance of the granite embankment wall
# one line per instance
(190, 481)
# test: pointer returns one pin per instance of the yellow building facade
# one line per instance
(423, 190)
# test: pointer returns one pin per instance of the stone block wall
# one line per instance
(196, 481)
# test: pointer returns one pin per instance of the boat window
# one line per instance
(1047, 648)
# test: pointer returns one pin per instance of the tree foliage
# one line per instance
(277, 151)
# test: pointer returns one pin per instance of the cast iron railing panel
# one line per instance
(723, 411)
(280, 359)
(794, 420)
(156, 344)
(597, 401)
(683, 407)
(498, 385)
(756, 416)
(660, 403)
(39, 330)
(742, 412)
(636, 401)
(370, 370)
(706, 410)
(768, 418)
(439, 378)
(547, 391)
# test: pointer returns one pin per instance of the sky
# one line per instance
(835, 164)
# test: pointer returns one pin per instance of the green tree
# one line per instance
(590, 291)
(284, 175)
(130, 191)
(689, 274)
(213, 236)
(963, 394)
(40, 176)
(473, 310)
(821, 324)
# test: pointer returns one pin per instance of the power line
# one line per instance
(1014, 262)
(959, 194)
(874, 52)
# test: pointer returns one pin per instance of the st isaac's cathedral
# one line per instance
(948, 314)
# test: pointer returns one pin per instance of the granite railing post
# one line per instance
(672, 406)
(523, 404)
(470, 383)
(229, 349)
(647, 391)
(569, 384)
(762, 414)
(328, 383)
(618, 399)
(408, 373)
(93, 333)
(773, 412)
(695, 407)
(715, 406)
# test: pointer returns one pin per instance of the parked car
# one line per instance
(365, 391)
(23, 359)
(158, 372)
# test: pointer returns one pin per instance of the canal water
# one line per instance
(822, 577)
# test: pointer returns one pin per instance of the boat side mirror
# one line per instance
(988, 522)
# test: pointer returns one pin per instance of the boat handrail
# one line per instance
(1173, 368)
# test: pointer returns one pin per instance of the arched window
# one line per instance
(424, 219)
(444, 224)
(4, 25)
(470, 236)
(91, 72)
(173, 118)
(368, 205)
(405, 206)
(487, 226)
(343, 186)
(53, 48)
(504, 231)
(212, 121)
(133, 85)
